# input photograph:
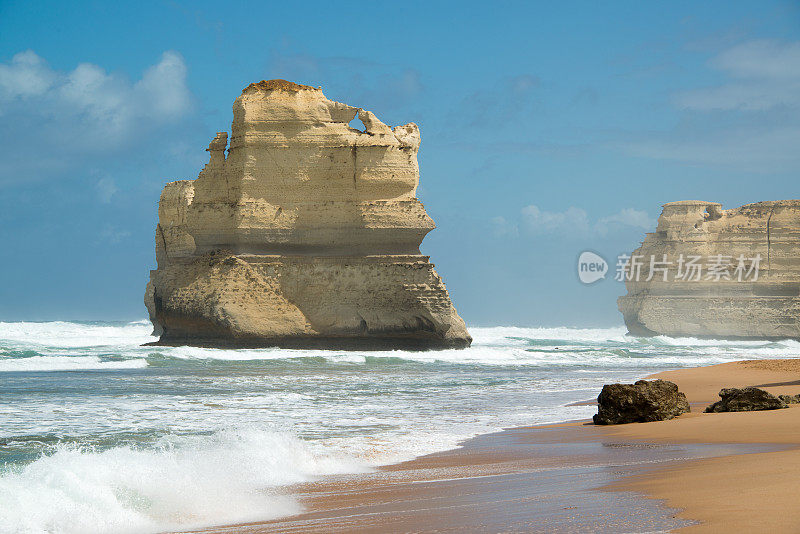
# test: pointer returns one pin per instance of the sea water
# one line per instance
(101, 434)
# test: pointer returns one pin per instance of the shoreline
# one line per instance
(547, 478)
(691, 473)
(740, 492)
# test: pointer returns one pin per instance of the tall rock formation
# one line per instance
(747, 284)
(306, 234)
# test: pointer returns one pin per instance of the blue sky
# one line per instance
(548, 129)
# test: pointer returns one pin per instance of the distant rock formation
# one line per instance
(306, 234)
(743, 280)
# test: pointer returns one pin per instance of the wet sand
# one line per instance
(738, 493)
(701, 472)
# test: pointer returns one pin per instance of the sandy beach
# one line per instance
(700, 472)
(744, 493)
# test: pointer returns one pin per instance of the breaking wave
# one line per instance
(178, 482)
(101, 434)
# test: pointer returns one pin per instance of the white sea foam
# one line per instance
(227, 477)
(491, 346)
(184, 482)
(74, 335)
(506, 334)
(65, 363)
(242, 414)
(519, 351)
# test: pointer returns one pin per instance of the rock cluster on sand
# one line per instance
(642, 402)
(719, 306)
(748, 399)
(305, 234)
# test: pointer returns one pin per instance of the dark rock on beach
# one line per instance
(748, 399)
(642, 402)
(790, 399)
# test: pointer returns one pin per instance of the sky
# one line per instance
(548, 129)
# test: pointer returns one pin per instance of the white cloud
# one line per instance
(24, 76)
(106, 188)
(752, 96)
(629, 217)
(112, 235)
(756, 148)
(764, 74)
(49, 116)
(751, 121)
(572, 222)
(162, 91)
(503, 227)
(762, 59)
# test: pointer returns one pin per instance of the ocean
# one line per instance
(101, 434)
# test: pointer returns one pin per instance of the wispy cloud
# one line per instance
(751, 120)
(106, 188)
(503, 227)
(509, 98)
(626, 217)
(49, 116)
(25, 76)
(105, 103)
(112, 235)
(570, 223)
(757, 148)
(764, 75)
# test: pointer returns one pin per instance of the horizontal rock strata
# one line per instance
(305, 234)
(753, 303)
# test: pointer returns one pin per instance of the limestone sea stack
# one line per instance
(709, 272)
(305, 234)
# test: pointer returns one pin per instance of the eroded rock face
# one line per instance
(305, 234)
(748, 399)
(766, 306)
(642, 402)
